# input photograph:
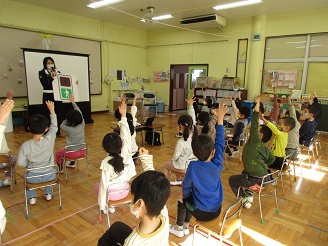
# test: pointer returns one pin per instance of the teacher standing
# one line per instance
(46, 76)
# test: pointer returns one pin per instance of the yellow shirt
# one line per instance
(280, 142)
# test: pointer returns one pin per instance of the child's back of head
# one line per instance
(202, 147)
(203, 119)
(38, 123)
(186, 123)
(74, 118)
(266, 133)
(154, 189)
(112, 144)
(287, 124)
(208, 102)
(245, 112)
(129, 118)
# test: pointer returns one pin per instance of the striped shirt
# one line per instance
(160, 237)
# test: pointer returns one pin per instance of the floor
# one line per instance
(303, 218)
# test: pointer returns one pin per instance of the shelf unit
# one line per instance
(219, 94)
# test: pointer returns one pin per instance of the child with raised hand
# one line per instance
(74, 126)
(132, 122)
(205, 124)
(293, 135)
(256, 158)
(4, 146)
(307, 130)
(39, 151)
(183, 152)
(150, 191)
(275, 113)
(118, 167)
(280, 141)
(207, 102)
(202, 189)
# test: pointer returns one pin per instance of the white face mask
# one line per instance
(135, 213)
(50, 66)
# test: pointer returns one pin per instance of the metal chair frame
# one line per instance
(65, 159)
(34, 186)
(233, 211)
(310, 148)
(285, 167)
(264, 190)
(5, 159)
(125, 200)
(317, 141)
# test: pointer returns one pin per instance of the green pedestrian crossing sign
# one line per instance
(65, 93)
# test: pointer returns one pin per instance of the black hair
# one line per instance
(245, 111)
(261, 107)
(314, 110)
(195, 106)
(38, 123)
(202, 146)
(129, 119)
(154, 189)
(112, 143)
(298, 114)
(203, 119)
(278, 100)
(45, 61)
(74, 118)
(267, 133)
(186, 121)
(208, 101)
(289, 121)
(215, 105)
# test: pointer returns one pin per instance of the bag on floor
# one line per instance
(149, 138)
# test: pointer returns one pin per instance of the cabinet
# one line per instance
(218, 94)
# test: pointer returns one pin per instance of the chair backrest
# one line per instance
(129, 95)
(75, 147)
(270, 178)
(318, 136)
(149, 95)
(311, 144)
(53, 169)
(232, 211)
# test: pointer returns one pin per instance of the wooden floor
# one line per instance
(303, 218)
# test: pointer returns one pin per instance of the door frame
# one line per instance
(172, 75)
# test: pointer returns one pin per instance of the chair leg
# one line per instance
(99, 217)
(240, 236)
(26, 207)
(313, 156)
(193, 236)
(294, 169)
(290, 178)
(309, 158)
(65, 169)
(282, 184)
(262, 220)
(277, 209)
(11, 180)
(108, 221)
(316, 148)
(59, 194)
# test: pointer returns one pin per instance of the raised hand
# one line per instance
(224, 101)
(143, 151)
(10, 94)
(191, 101)
(72, 99)
(122, 109)
(5, 109)
(51, 106)
(231, 97)
(257, 99)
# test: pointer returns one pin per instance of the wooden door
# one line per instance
(180, 90)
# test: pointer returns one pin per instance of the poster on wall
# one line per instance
(161, 76)
(281, 78)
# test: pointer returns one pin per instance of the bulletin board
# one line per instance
(281, 78)
(12, 67)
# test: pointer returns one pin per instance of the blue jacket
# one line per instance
(202, 179)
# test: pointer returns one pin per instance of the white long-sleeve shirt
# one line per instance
(134, 146)
(3, 218)
(108, 175)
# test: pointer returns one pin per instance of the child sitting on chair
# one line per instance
(280, 141)
(118, 167)
(307, 130)
(256, 158)
(202, 187)
(39, 151)
(150, 191)
(73, 125)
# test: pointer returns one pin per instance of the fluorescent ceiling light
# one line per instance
(237, 4)
(103, 3)
(162, 17)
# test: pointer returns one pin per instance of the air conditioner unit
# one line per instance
(204, 21)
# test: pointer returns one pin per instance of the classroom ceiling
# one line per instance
(130, 12)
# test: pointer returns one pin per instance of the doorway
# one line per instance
(182, 80)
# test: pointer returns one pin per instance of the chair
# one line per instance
(268, 185)
(149, 101)
(297, 156)
(242, 140)
(127, 199)
(317, 141)
(309, 149)
(34, 186)
(5, 161)
(285, 168)
(68, 151)
(228, 223)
